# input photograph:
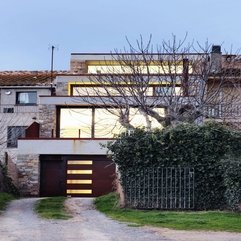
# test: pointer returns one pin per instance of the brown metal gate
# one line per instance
(76, 176)
(52, 177)
(89, 177)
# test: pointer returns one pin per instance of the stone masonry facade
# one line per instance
(62, 89)
(28, 175)
(47, 117)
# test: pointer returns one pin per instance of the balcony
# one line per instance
(223, 111)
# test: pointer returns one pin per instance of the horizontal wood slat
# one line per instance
(80, 162)
(79, 191)
(79, 171)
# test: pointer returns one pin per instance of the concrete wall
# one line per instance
(62, 147)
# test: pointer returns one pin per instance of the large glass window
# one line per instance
(108, 91)
(122, 69)
(99, 122)
(75, 122)
(137, 119)
(94, 91)
(26, 98)
(106, 123)
(15, 132)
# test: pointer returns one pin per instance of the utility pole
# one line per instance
(52, 62)
(52, 69)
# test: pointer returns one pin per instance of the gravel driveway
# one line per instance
(19, 223)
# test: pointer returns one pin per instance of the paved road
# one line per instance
(19, 223)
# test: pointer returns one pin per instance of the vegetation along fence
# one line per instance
(159, 188)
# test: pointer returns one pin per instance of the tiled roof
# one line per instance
(27, 78)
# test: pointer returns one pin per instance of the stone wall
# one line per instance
(47, 120)
(12, 170)
(28, 175)
(79, 67)
(62, 89)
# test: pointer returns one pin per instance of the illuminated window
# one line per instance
(75, 122)
(107, 91)
(137, 119)
(106, 123)
(143, 69)
(99, 122)
(94, 91)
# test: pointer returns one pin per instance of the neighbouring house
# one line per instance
(19, 98)
(69, 118)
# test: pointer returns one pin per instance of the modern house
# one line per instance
(68, 118)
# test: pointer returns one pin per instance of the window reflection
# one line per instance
(106, 123)
(79, 122)
(137, 119)
(75, 122)
(143, 69)
(109, 91)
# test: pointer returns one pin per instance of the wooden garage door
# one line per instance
(52, 177)
(89, 177)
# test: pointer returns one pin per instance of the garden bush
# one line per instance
(232, 181)
(6, 183)
(202, 147)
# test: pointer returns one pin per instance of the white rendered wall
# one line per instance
(61, 146)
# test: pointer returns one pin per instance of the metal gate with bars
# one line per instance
(159, 188)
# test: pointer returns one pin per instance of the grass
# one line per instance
(5, 198)
(181, 220)
(52, 208)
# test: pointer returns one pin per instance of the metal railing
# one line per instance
(222, 110)
(159, 188)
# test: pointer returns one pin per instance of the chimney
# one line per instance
(216, 59)
(216, 49)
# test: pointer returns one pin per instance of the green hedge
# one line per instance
(202, 147)
(6, 183)
(232, 182)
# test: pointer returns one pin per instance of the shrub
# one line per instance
(6, 182)
(202, 147)
(232, 182)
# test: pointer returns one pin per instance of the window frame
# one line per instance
(150, 90)
(18, 102)
(92, 125)
(12, 137)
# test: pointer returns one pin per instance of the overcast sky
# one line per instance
(29, 27)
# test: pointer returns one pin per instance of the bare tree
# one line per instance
(189, 83)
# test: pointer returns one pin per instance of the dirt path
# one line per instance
(19, 223)
(178, 235)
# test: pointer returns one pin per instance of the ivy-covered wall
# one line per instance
(202, 147)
